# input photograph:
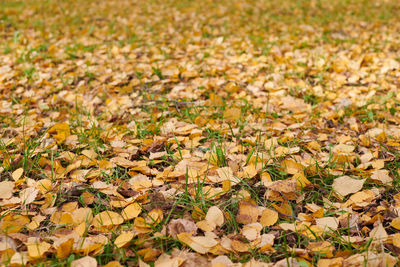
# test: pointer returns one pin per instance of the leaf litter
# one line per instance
(182, 133)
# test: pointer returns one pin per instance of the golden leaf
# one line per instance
(268, 217)
(107, 219)
(131, 211)
(123, 239)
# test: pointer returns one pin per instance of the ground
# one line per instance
(208, 133)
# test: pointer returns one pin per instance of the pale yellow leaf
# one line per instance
(17, 174)
(346, 185)
(6, 189)
(86, 261)
(215, 215)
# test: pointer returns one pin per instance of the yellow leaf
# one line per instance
(64, 249)
(252, 231)
(80, 229)
(265, 178)
(396, 240)
(232, 114)
(18, 259)
(62, 131)
(216, 100)
(131, 211)
(327, 223)
(82, 215)
(291, 166)
(284, 209)
(107, 219)
(141, 226)
(239, 246)
(123, 239)
(322, 249)
(37, 250)
(28, 195)
(248, 213)
(104, 164)
(113, 264)
(336, 262)
(283, 186)
(13, 223)
(149, 254)
(87, 198)
(154, 216)
(313, 232)
(396, 223)
(206, 226)
(200, 244)
(35, 222)
(301, 180)
(43, 185)
(381, 176)
(59, 217)
(268, 217)
(249, 171)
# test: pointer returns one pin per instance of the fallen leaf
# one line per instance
(107, 219)
(37, 249)
(248, 213)
(178, 226)
(17, 174)
(268, 217)
(346, 185)
(283, 186)
(86, 261)
(61, 132)
(215, 215)
(381, 176)
(232, 114)
(123, 239)
(6, 189)
(327, 223)
(396, 223)
(131, 211)
(28, 195)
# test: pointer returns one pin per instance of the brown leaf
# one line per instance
(178, 226)
(248, 213)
